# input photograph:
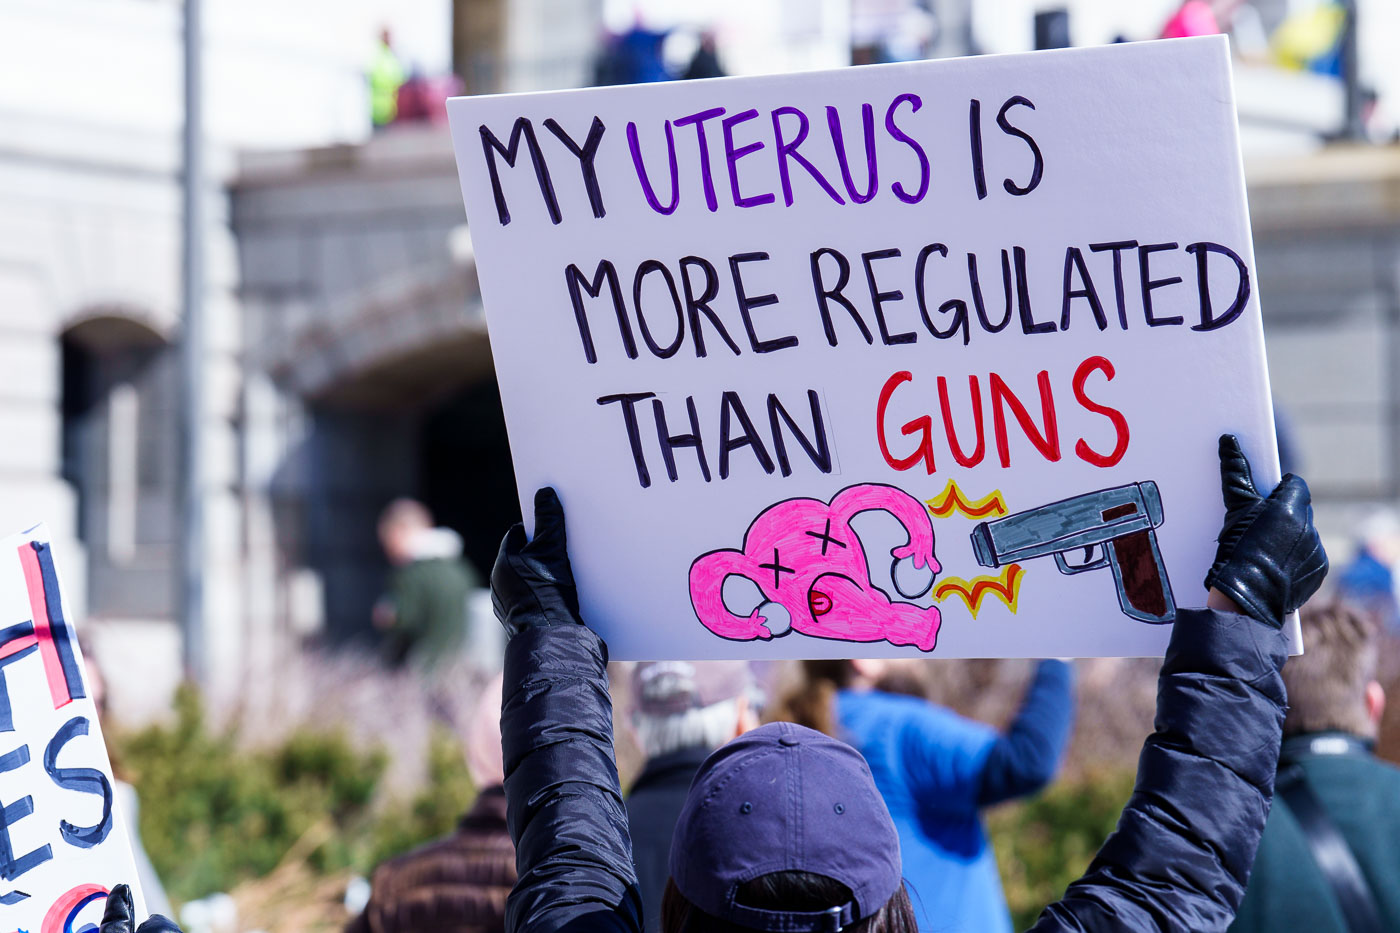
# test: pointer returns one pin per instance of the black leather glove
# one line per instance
(1270, 559)
(117, 918)
(532, 583)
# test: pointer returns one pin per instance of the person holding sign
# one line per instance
(784, 829)
(118, 917)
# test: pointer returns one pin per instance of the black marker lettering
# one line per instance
(586, 154)
(490, 145)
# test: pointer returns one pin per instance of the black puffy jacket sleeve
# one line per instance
(1181, 855)
(573, 854)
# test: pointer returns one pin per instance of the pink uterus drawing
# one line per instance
(809, 565)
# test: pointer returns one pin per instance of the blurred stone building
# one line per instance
(347, 360)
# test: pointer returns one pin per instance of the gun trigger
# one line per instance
(1090, 561)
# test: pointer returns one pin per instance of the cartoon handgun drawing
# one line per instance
(1113, 527)
(810, 567)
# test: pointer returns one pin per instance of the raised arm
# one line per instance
(1026, 756)
(1181, 855)
(573, 854)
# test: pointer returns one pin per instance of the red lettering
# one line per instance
(975, 392)
(922, 424)
(1120, 424)
(1046, 440)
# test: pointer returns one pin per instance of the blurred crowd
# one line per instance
(936, 768)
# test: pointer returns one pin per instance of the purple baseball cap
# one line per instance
(785, 798)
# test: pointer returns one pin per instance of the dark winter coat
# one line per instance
(653, 806)
(1179, 859)
(454, 885)
(1361, 795)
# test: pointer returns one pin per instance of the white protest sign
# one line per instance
(922, 359)
(63, 846)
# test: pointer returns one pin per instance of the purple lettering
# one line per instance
(732, 157)
(788, 150)
(833, 122)
(699, 120)
(899, 191)
(647, 190)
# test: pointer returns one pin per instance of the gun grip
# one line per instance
(1144, 592)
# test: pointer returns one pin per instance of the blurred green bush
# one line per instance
(1044, 843)
(214, 813)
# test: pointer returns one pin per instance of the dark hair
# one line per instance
(786, 890)
(812, 702)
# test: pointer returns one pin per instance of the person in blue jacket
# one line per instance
(936, 770)
(784, 830)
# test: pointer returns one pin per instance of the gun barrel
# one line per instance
(1078, 522)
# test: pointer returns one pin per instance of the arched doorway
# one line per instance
(465, 475)
(120, 456)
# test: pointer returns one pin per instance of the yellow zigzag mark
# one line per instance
(951, 500)
(1005, 586)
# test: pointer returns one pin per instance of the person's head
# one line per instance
(1379, 536)
(1332, 686)
(810, 703)
(784, 831)
(385, 36)
(400, 523)
(690, 704)
(485, 761)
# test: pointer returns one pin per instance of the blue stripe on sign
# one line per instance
(78, 908)
(62, 638)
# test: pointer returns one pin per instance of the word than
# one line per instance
(790, 139)
(767, 439)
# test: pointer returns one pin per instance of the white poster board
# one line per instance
(63, 843)
(837, 364)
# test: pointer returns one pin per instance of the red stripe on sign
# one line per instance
(39, 606)
(17, 645)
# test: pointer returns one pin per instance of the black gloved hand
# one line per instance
(117, 918)
(532, 583)
(1270, 559)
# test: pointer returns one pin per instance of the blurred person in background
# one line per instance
(1237, 18)
(681, 711)
(1192, 18)
(385, 77)
(424, 614)
(1335, 803)
(1369, 581)
(422, 99)
(458, 884)
(1310, 39)
(634, 57)
(936, 771)
(705, 62)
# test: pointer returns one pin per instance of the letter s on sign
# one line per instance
(920, 425)
(1120, 424)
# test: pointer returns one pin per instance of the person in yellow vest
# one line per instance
(385, 78)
